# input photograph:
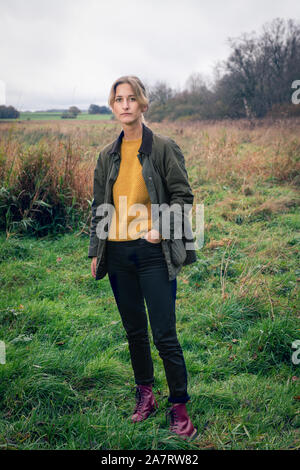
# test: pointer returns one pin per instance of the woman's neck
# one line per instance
(133, 132)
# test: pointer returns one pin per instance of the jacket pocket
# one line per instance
(177, 252)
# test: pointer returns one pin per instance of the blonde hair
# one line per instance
(137, 86)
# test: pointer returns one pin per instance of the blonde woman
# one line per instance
(134, 175)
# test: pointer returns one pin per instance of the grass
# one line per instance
(50, 116)
(68, 383)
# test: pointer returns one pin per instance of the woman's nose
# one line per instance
(125, 104)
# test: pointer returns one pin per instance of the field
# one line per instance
(44, 116)
(67, 382)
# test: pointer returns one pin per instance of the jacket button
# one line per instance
(150, 177)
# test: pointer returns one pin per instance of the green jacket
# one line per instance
(167, 183)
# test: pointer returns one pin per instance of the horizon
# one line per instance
(46, 63)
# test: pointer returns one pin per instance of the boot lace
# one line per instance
(172, 416)
(139, 400)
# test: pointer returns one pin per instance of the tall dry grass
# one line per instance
(46, 168)
(242, 152)
(46, 173)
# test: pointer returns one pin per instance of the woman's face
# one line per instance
(126, 108)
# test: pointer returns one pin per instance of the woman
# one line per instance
(135, 174)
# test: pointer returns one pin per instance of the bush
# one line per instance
(68, 115)
(284, 110)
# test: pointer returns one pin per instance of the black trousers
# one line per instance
(137, 270)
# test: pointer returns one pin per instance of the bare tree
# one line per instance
(160, 93)
(264, 66)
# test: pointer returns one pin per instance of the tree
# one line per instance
(264, 66)
(74, 110)
(8, 112)
(95, 109)
(227, 102)
(195, 83)
(159, 96)
(160, 93)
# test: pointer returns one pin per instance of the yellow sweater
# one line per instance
(130, 183)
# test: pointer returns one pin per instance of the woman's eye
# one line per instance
(118, 100)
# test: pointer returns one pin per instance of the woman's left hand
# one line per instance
(153, 236)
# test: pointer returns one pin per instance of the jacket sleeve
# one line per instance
(179, 189)
(98, 193)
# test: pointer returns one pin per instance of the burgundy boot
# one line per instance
(180, 421)
(145, 403)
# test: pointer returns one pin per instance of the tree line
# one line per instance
(254, 81)
(73, 111)
(8, 112)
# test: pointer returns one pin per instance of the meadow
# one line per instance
(67, 382)
(50, 116)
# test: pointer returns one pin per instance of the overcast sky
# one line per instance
(68, 52)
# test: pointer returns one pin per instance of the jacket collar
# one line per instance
(146, 146)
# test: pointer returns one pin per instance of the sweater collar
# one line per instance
(146, 145)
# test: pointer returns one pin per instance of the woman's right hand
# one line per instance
(93, 266)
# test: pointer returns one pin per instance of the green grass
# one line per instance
(95, 117)
(44, 116)
(68, 383)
